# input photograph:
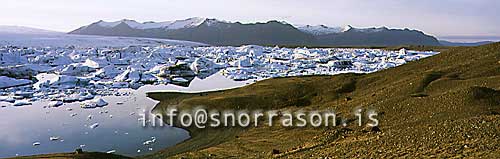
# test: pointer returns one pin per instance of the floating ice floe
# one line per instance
(36, 144)
(55, 104)
(21, 103)
(78, 97)
(76, 70)
(54, 138)
(9, 99)
(94, 103)
(66, 82)
(149, 142)
(6, 82)
(93, 126)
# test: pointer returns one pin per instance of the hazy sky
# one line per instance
(436, 17)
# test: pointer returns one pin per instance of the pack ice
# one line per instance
(74, 74)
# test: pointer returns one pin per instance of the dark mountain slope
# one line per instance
(382, 37)
(219, 33)
(216, 32)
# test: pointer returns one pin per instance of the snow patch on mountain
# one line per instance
(323, 29)
(365, 30)
(319, 29)
(168, 25)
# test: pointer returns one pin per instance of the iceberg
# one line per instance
(55, 104)
(75, 73)
(96, 63)
(204, 65)
(94, 103)
(108, 72)
(93, 126)
(7, 82)
(66, 82)
(21, 103)
(76, 70)
(54, 138)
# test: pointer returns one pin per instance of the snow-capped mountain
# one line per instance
(217, 32)
(323, 29)
(319, 29)
(168, 25)
(365, 30)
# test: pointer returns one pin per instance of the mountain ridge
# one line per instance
(218, 32)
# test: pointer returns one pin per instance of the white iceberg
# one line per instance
(66, 82)
(96, 63)
(93, 126)
(55, 104)
(54, 138)
(95, 103)
(76, 70)
(204, 65)
(21, 103)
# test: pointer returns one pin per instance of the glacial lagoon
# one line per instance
(119, 126)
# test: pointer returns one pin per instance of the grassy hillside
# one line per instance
(447, 105)
(85, 155)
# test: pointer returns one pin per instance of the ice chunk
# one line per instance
(54, 138)
(76, 70)
(95, 103)
(55, 104)
(9, 99)
(149, 142)
(204, 65)
(243, 62)
(24, 94)
(65, 82)
(180, 79)
(96, 63)
(108, 72)
(21, 103)
(6, 82)
(93, 126)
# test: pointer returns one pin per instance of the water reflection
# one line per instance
(119, 128)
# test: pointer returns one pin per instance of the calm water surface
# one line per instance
(119, 128)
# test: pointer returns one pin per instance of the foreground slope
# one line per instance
(447, 105)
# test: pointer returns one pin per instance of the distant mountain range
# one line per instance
(448, 43)
(216, 32)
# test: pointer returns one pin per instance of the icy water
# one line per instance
(119, 128)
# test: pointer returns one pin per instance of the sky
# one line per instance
(434, 17)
